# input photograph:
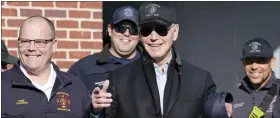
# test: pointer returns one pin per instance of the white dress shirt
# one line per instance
(47, 88)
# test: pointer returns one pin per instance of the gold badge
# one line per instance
(63, 101)
(22, 101)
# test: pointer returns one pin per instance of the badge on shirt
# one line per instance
(63, 101)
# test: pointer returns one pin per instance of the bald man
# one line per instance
(35, 87)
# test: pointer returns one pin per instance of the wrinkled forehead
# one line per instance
(36, 30)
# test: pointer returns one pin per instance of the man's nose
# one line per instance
(126, 33)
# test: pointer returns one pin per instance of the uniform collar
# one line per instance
(19, 78)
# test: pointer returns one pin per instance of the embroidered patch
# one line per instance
(22, 101)
(63, 101)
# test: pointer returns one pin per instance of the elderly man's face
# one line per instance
(157, 39)
(36, 45)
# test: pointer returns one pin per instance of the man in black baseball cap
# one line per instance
(258, 61)
(121, 49)
(160, 84)
(6, 58)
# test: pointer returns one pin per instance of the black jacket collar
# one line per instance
(20, 79)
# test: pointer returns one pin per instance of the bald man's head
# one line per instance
(38, 21)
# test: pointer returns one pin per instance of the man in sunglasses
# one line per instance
(258, 61)
(6, 58)
(35, 87)
(159, 84)
(121, 50)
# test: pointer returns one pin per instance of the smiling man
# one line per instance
(122, 49)
(35, 87)
(159, 84)
(258, 62)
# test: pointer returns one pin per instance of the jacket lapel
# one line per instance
(150, 76)
(175, 86)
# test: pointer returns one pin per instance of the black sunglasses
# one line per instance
(146, 30)
(122, 28)
(257, 60)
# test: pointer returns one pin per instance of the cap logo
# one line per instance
(128, 12)
(152, 9)
(254, 46)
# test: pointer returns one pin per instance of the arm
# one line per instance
(214, 103)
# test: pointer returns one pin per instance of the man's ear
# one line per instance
(175, 32)
(272, 62)
(109, 29)
(54, 46)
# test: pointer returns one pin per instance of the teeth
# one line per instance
(124, 40)
(154, 45)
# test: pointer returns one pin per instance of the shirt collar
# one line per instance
(166, 64)
(51, 78)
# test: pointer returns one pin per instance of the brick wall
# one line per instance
(78, 27)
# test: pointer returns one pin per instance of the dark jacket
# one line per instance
(21, 99)
(94, 69)
(189, 90)
(245, 97)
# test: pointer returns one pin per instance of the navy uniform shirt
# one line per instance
(94, 69)
(21, 99)
(245, 97)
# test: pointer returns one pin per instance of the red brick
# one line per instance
(12, 52)
(30, 12)
(64, 64)
(42, 4)
(97, 15)
(67, 24)
(59, 55)
(9, 33)
(79, 14)
(3, 23)
(67, 4)
(91, 45)
(95, 5)
(91, 25)
(12, 44)
(18, 3)
(15, 22)
(55, 13)
(61, 34)
(9, 12)
(67, 44)
(78, 54)
(97, 35)
(80, 35)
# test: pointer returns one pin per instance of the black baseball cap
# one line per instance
(257, 47)
(5, 56)
(125, 13)
(157, 13)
